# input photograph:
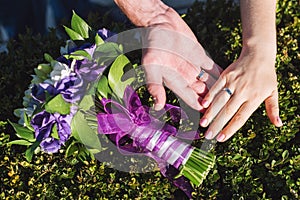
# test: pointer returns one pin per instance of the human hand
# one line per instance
(252, 80)
(173, 56)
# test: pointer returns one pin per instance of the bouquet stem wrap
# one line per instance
(155, 139)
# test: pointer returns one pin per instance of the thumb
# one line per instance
(159, 94)
(272, 108)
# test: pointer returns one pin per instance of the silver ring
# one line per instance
(228, 91)
(200, 75)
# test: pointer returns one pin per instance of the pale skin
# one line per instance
(251, 78)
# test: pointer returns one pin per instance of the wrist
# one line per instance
(156, 15)
(260, 48)
(144, 13)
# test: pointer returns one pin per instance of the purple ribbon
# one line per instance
(149, 135)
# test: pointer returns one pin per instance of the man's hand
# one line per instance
(172, 56)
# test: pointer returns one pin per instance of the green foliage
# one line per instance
(59, 105)
(84, 133)
(115, 75)
(259, 162)
(217, 25)
(80, 29)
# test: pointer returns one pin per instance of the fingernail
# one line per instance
(158, 106)
(279, 121)
(221, 137)
(209, 135)
(203, 122)
(205, 103)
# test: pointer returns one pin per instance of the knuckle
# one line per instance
(239, 118)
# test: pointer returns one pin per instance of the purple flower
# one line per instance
(39, 91)
(44, 123)
(71, 88)
(105, 34)
(88, 70)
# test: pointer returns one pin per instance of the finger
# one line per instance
(159, 94)
(211, 67)
(206, 77)
(213, 92)
(272, 109)
(181, 45)
(199, 87)
(179, 86)
(216, 106)
(189, 96)
(223, 117)
(154, 85)
(237, 121)
(192, 74)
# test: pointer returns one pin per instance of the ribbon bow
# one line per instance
(134, 121)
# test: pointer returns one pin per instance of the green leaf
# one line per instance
(72, 34)
(79, 55)
(103, 88)
(45, 68)
(83, 132)
(54, 132)
(273, 162)
(48, 58)
(82, 53)
(87, 102)
(95, 151)
(20, 142)
(30, 151)
(23, 132)
(27, 123)
(29, 154)
(115, 75)
(58, 105)
(40, 73)
(107, 53)
(98, 40)
(72, 148)
(285, 154)
(80, 26)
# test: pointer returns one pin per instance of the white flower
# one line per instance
(61, 70)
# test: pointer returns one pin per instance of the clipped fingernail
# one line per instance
(221, 137)
(278, 119)
(205, 103)
(209, 135)
(203, 122)
(158, 106)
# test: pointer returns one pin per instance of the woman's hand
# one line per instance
(252, 80)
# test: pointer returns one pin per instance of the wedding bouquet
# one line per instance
(86, 90)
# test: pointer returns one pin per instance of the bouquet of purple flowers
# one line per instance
(85, 88)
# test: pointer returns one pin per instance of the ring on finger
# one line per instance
(201, 74)
(228, 91)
